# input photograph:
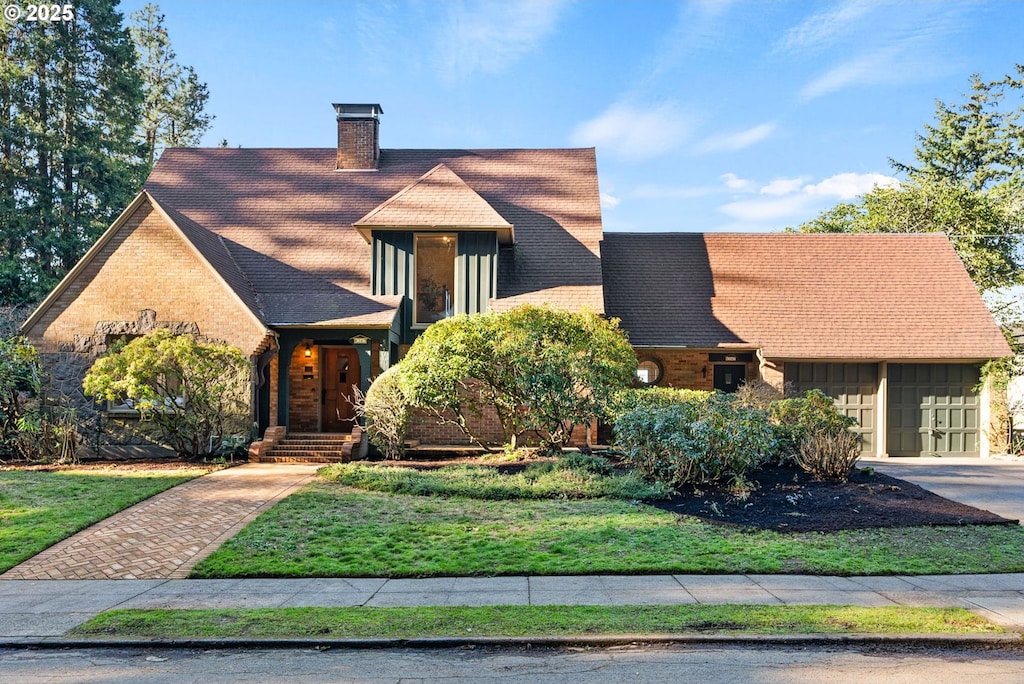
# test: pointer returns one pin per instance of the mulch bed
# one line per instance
(788, 499)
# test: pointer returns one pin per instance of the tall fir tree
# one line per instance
(70, 100)
(967, 182)
(173, 114)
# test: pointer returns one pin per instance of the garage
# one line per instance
(933, 409)
(853, 386)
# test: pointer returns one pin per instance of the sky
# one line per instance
(706, 116)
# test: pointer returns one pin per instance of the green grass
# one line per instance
(327, 530)
(571, 477)
(40, 508)
(517, 621)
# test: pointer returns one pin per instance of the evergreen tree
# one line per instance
(173, 112)
(967, 183)
(70, 98)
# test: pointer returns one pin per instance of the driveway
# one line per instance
(990, 484)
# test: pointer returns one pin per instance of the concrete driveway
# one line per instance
(991, 484)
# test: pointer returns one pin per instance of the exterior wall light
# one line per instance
(309, 351)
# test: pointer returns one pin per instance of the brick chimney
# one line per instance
(358, 135)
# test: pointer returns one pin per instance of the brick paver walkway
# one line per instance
(168, 534)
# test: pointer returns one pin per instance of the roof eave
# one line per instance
(506, 233)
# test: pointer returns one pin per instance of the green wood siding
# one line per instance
(476, 271)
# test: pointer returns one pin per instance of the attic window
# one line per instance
(434, 295)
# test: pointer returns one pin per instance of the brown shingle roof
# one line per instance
(799, 296)
(437, 199)
(286, 217)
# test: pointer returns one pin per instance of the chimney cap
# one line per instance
(358, 111)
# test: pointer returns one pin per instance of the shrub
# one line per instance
(195, 393)
(798, 417)
(702, 438)
(543, 370)
(387, 414)
(829, 454)
(757, 394)
(626, 400)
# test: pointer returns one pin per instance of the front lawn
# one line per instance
(526, 621)
(332, 530)
(39, 508)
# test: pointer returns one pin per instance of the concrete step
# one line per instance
(332, 457)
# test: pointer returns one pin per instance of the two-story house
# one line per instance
(323, 265)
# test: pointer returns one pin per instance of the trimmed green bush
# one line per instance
(387, 414)
(701, 438)
(799, 417)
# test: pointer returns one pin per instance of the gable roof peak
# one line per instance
(437, 200)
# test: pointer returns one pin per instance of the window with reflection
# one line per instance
(434, 295)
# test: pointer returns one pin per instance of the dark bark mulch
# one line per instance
(787, 499)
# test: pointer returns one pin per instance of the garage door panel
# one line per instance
(851, 385)
(933, 409)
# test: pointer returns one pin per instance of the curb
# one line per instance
(977, 641)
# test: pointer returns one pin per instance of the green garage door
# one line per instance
(933, 409)
(852, 385)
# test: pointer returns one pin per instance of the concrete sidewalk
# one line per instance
(39, 611)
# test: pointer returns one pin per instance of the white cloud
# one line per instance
(846, 186)
(793, 199)
(487, 37)
(739, 140)
(609, 201)
(765, 209)
(734, 182)
(824, 27)
(882, 66)
(635, 133)
(783, 186)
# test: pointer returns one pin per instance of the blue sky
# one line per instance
(706, 116)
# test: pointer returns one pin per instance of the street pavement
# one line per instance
(46, 596)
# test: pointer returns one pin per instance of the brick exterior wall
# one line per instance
(304, 392)
(358, 143)
(272, 370)
(146, 265)
(144, 277)
(682, 368)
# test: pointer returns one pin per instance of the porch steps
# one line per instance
(311, 448)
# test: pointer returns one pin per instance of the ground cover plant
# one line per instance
(331, 530)
(519, 621)
(40, 507)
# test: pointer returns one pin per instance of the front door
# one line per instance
(729, 376)
(340, 373)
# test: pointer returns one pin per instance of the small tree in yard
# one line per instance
(191, 391)
(542, 370)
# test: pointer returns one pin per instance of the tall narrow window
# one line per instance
(435, 278)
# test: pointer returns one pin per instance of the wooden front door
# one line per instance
(340, 373)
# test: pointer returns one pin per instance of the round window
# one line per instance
(648, 371)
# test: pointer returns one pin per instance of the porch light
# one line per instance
(309, 351)
(360, 339)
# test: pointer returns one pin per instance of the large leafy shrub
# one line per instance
(797, 418)
(19, 379)
(701, 438)
(387, 414)
(195, 393)
(543, 370)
